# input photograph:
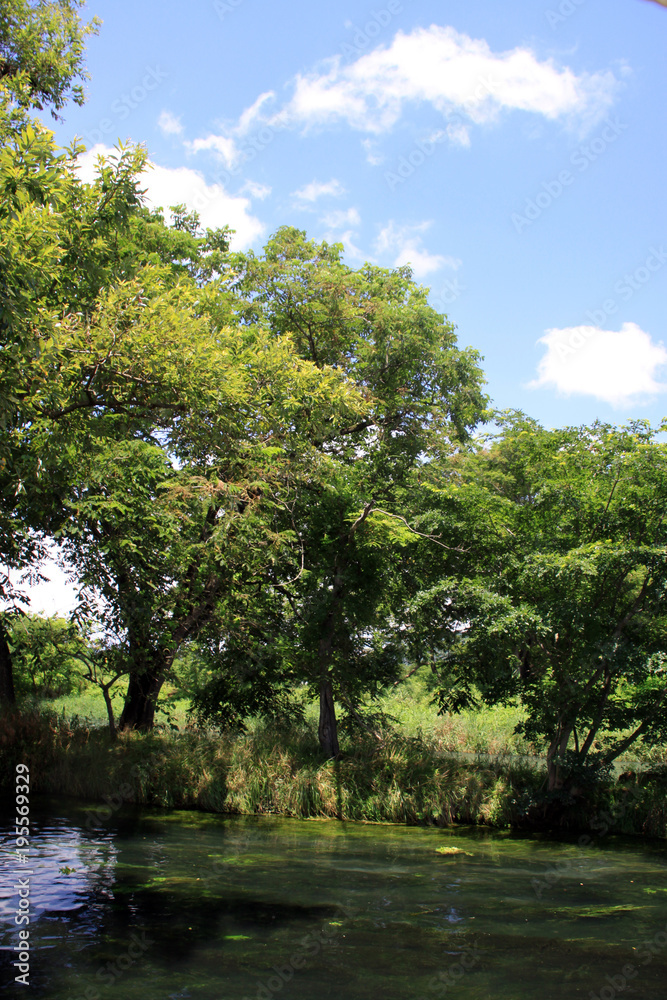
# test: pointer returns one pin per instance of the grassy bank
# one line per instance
(408, 707)
(382, 777)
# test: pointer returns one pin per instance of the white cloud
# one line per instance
(232, 142)
(254, 112)
(340, 218)
(616, 366)
(347, 239)
(169, 124)
(373, 156)
(319, 189)
(86, 164)
(405, 245)
(421, 261)
(223, 145)
(458, 133)
(452, 72)
(457, 75)
(167, 186)
(256, 190)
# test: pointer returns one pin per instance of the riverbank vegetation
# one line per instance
(384, 776)
(267, 475)
(410, 766)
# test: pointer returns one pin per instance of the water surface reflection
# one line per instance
(159, 904)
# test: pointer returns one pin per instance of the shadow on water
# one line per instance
(153, 905)
(181, 921)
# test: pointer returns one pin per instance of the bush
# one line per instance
(47, 655)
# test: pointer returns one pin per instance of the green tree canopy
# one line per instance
(335, 622)
(49, 655)
(42, 51)
(555, 597)
(173, 534)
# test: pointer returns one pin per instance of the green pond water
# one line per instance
(149, 905)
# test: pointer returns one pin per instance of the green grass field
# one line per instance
(407, 709)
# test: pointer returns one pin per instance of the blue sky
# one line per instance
(512, 153)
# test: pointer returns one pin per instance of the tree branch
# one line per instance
(431, 538)
(621, 747)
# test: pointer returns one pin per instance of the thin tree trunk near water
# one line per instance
(328, 727)
(557, 748)
(106, 691)
(7, 693)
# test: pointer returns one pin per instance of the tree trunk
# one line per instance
(140, 701)
(109, 705)
(557, 748)
(328, 727)
(7, 695)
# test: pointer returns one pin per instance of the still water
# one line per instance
(149, 905)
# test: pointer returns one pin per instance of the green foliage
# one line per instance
(555, 597)
(48, 654)
(376, 326)
(269, 458)
(272, 770)
(335, 620)
(234, 695)
(41, 51)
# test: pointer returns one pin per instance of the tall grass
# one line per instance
(382, 777)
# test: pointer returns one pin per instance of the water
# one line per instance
(149, 905)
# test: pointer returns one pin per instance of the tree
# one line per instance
(53, 657)
(49, 655)
(41, 47)
(133, 359)
(100, 314)
(41, 52)
(556, 597)
(100, 328)
(33, 178)
(422, 394)
(337, 602)
(170, 534)
(32, 181)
